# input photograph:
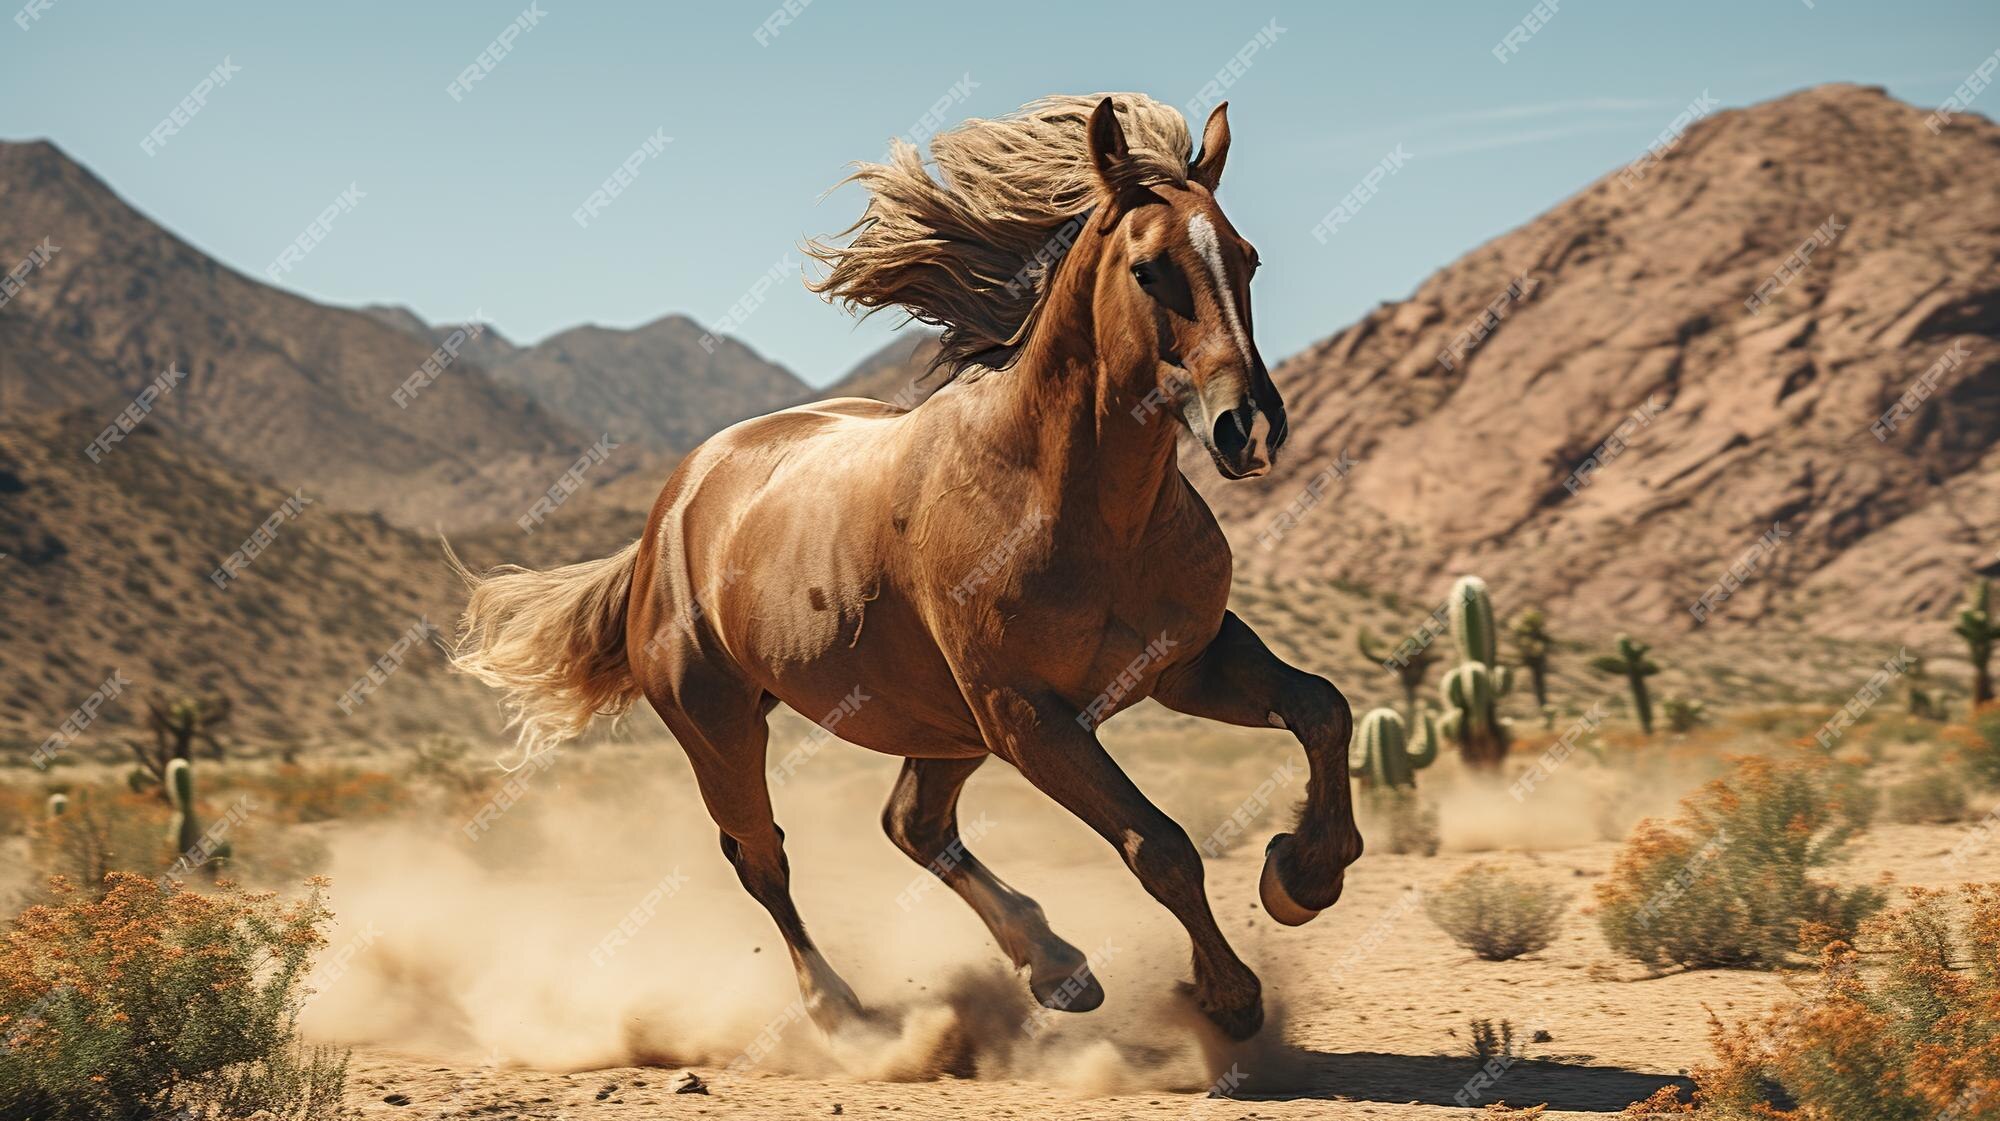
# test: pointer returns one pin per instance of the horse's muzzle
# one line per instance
(1242, 441)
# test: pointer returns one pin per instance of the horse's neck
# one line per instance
(1103, 449)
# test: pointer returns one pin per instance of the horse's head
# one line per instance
(1172, 262)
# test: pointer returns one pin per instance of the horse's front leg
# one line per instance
(1043, 738)
(1237, 680)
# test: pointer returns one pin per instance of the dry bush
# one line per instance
(1496, 915)
(105, 829)
(151, 1002)
(1934, 797)
(1729, 881)
(302, 793)
(1904, 1028)
(20, 808)
(1978, 743)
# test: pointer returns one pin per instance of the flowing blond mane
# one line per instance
(971, 251)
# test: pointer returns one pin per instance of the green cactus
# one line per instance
(1472, 622)
(1472, 689)
(1531, 645)
(1381, 756)
(1410, 672)
(1632, 664)
(1975, 626)
(184, 832)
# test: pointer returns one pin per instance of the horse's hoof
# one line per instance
(1238, 1024)
(1271, 889)
(1064, 983)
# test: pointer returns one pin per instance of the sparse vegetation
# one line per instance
(1684, 714)
(89, 833)
(1909, 1031)
(1495, 914)
(1487, 1040)
(149, 1000)
(1729, 881)
(1934, 797)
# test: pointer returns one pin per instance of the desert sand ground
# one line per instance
(488, 980)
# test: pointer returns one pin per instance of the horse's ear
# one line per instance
(1207, 169)
(1108, 150)
(1116, 173)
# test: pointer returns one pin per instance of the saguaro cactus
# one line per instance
(1472, 689)
(1382, 756)
(1975, 626)
(1531, 646)
(184, 832)
(1632, 664)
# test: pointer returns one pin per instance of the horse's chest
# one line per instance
(1105, 637)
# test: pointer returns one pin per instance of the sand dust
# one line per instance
(494, 978)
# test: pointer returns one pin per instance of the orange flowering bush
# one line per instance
(1728, 882)
(1905, 1028)
(150, 1000)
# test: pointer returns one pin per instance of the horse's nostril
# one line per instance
(1232, 432)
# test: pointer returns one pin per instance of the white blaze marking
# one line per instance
(1202, 234)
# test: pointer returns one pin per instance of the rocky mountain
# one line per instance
(485, 348)
(1604, 410)
(666, 385)
(900, 371)
(282, 387)
(110, 570)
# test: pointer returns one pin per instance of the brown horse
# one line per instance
(994, 572)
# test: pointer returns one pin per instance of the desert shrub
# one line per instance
(447, 762)
(1729, 881)
(1397, 820)
(296, 792)
(1495, 914)
(103, 830)
(1902, 1026)
(150, 1001)
(1488, 1040)
(1684, 714)
(1979, 744)
(1934, 797)
(20, 808)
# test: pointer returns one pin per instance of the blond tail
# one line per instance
(553, 642)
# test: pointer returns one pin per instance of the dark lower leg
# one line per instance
(1237, 680)
(1071, 767)
(922, 820)
(766, 874)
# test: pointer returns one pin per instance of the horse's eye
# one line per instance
(1144, 274)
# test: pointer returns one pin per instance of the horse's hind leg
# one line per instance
(922, 819)
(725, 742)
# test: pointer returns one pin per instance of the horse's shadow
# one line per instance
(1446, 1080)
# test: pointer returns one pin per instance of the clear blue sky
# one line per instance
(469, 202)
